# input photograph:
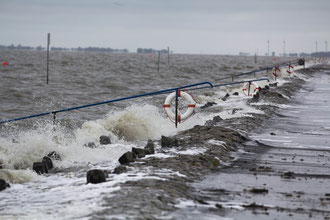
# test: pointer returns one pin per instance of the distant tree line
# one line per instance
(150, 50)
(87, 49)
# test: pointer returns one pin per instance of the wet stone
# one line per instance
(90, 145)
(150, 147)
(40, 167)
(3, 184)
(54, 156)
(104, 140)
(235, 93)
(120, 169)
(139, 152)
(96, 176)
(225, 97)
(126, 158)
(273, 84)
(208, 104)
(168, 141)
(48, 162)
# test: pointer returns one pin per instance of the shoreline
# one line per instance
(172, 178)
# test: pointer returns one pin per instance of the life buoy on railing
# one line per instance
(191, 106)
(250, 88)
(288, 70)
(275, 74)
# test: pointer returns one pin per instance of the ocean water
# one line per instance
(84, 78)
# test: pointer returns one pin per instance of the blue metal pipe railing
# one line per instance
(256, 71)
(107, 102)
(231, 83)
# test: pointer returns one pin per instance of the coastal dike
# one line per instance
(234, 176)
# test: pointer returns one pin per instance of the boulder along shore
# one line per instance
(173, 175)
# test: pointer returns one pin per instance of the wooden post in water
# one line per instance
(158, 61)
(168, 51)
(48, 43)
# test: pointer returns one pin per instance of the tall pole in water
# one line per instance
(158, 61)
(284, 48)
(48, 43)
(326, 46)
(168, 58)
(268, 47)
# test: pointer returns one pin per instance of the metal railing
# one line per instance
(164, 91)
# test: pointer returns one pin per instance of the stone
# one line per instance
(208, 104)
(256, 97)
(126, 158)
(236, 93)
(90, 145)
(3, 184)
(120, 169)
(48, 162)
(273, 84)
(214, 121)
(139, 152)
(225, 97)
(235, 110)
(104, 140)
(54, 156)
(96, 176)
(301, 62)
(40, 167)
(150, 147)
(168, 142)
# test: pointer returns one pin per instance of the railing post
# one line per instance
(249, 88)
(176, 107)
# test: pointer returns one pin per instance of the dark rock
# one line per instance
(90, 145)
(236, 93)
(214, 121)
(1, 165)
(235, 110)
(150, 147)
(256, 97)
(139, 152)
(96, 176)
(104, 140)
(301, 62)
(3, 184)
(273, 84)
(169, 141)
(48, 162)
(272, 133)
(208, 104)
(258, 190)
(266, 87)
(40, 167)
(120, 169)
(126, 158)
(225, 97)
(54, 156)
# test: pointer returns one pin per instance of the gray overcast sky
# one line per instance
(187, 26)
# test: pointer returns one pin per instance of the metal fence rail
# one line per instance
(209, 85)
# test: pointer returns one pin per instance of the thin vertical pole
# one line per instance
(48, 43)
(158, 62)
(176, 107)
(168, 58)
(249, 88)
